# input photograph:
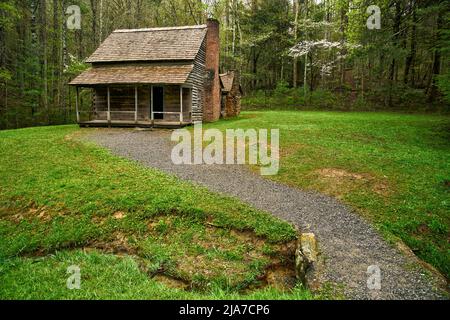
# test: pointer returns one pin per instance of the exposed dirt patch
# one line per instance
(423, 229)
(215, 252)
(281, 277)
(293, 149)
(340, 181)
(74, 136)
(340, 174)
(447, 183)
(100, 220)
(119, 215)
(171, 282)
(17, 215)
(248, 237)
(118, 245)
(441, 281)
(188, 254)
(195, 271)
(381, 188)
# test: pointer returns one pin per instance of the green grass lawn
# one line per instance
(135, 233)
(394, 169)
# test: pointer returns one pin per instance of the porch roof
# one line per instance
(134, 74)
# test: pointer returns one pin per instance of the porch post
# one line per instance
(181, 105)
(109, 105)
(151, 105)
(136, 104)
(76, 105)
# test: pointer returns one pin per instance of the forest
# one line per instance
(321, 54)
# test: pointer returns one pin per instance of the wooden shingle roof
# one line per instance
(227, 81)
(134, 74)
(157, 44)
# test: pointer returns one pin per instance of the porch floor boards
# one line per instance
(132, 124)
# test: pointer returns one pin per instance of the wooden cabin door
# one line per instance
(158, 102)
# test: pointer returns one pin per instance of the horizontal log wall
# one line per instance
(172, 102)
(122, 100)
(122, 103)
(197, 80)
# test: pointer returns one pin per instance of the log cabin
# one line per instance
(159, 77)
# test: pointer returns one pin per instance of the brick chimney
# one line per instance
(212, 101)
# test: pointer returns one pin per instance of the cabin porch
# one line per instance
(146, 106)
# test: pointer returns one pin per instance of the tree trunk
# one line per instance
(2, 48)
(129, 14)
(396, 30)
(295, 62)
(79, 35)
(311, 81)
(44, 59)
(343, 30)
(255, 69)
(56, 54)
(436, 69)
(138, 14)
(410, 59)
(94, 9)
(3, 85)
(100, 31)
(305, 80)
(63, 60)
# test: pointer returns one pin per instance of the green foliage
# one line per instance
(40, 56)
(282, 89)
(404, 98)
(8, 14)
(5, 75)
(285, 98)
(444, 86)
(76, 67)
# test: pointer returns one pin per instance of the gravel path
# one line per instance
(348, 243)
